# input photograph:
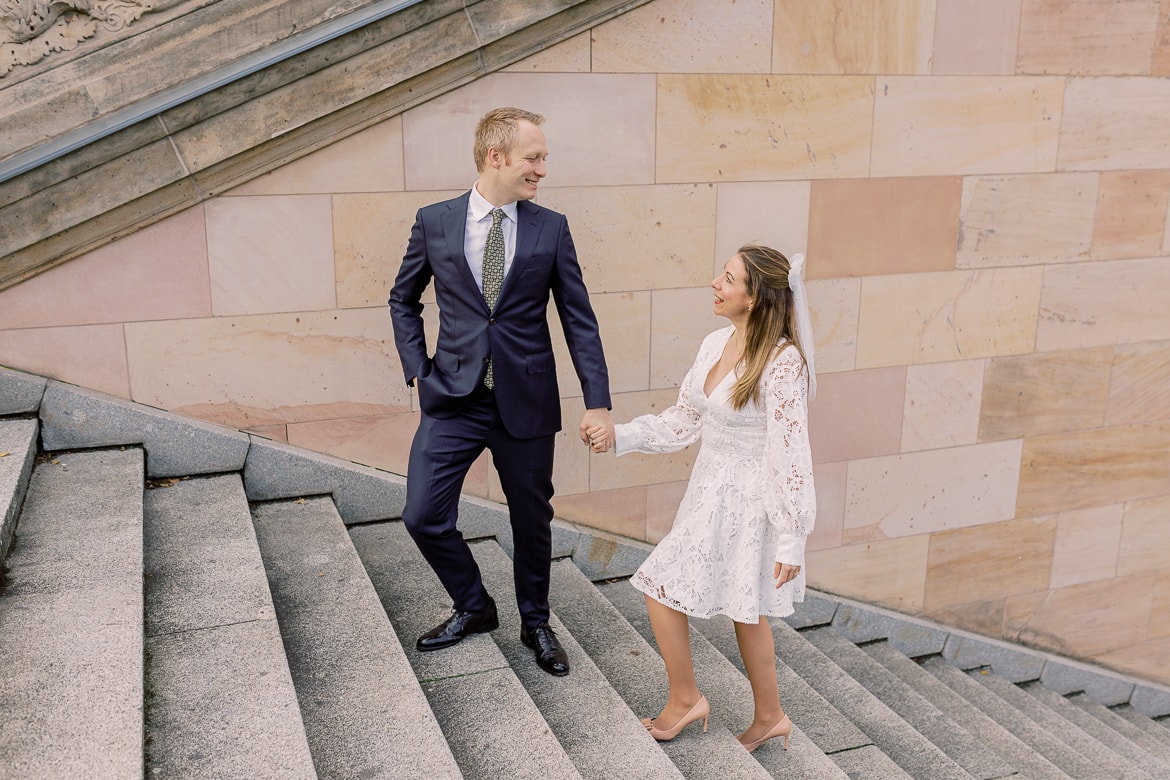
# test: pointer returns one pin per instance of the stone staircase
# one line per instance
(182, 600)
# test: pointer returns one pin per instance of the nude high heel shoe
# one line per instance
(783, 728)
(701, 711)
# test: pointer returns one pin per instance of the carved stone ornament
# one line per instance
(33, 29)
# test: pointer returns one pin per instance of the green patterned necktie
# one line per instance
(493, 272)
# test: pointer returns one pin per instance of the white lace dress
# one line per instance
(750, 501)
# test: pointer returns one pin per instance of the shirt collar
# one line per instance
(480, 208)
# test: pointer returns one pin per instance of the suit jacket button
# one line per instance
(487, 359)
(492, 321)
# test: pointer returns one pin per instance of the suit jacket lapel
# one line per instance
(528, 227)
(454, 227)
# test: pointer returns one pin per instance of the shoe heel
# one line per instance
(786, 736)
(705, 723)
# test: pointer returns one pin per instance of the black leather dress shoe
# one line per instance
(550, 656)
(452, 630)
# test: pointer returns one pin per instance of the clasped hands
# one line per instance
(597, 430)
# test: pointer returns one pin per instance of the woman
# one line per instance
(737, 544)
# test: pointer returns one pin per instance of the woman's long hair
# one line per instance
(771, 319)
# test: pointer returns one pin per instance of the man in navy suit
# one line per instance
(492, 381)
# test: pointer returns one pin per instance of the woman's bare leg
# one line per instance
(758, 651)
(672, 633)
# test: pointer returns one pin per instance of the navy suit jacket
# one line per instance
(515, 333)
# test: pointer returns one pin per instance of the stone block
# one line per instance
(1041, 393)
(989, 562)
(887, 572)
(86, 355)
(976, 37)
(816, 610)
(1103, 303)
(75, 418)
(681, 319)
(968, 651)
(1114, 124)
(857, 414)
(1065, 677)
(853, 36)
(859, 623)
(20, 393)
(601, 556)
(1151, 700)
(943, 403)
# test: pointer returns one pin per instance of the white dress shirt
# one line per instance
(479, 222)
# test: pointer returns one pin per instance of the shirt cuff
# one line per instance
(624, 439)
(790, 550)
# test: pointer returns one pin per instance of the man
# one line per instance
(495, 257)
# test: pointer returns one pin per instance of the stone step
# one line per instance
(1068, 732)
(365, 714)
(220, 698)
(635, 670)
(983, 728)
(1131, 731)
(1105, 734)
(490, 722)
(1158, 729)
(928, 720)
(18, 450)
(71, 690)
(730, 693)
(896, 738)
(602, 737)
(1035, 736)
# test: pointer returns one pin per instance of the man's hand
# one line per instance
(596, 429)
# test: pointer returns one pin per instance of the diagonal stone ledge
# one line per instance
(77, 418)
(20, 393)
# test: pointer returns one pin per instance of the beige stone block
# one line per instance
(609, 472)
(772, 213)
(624, 319)
(271, 369)
(680, 319)
(1112, 302)
(380, 441)
(1115, 124)
(1146, 660)
(437, 135)
(1027, 219)
(1145, 537)
(272, 432)
(1084, 620)
(640, 238)
(158, 273)
(1087, 37)
(863, 227)
(830, 480)
(677, 36)
(1044, 392)
(569, 56)
(890, 573)
(989, 562)
(1131, 214)
(834, 305)
(923, 492)
(1160, 62)
(1090, 468)
(976, 37)
(857, 414)
(270, 254)
(370, 234)
(621, 511)
(1087, 543)
(92, 356)
(954, 315)
(572, 461)
(1139, 390)
(853, 36)
(942, 405)
(982, 617)
(761, 128)
(923, 126)
(662, 502)
(1160, 612)
(367, 161)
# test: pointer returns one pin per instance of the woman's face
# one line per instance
(731, 292)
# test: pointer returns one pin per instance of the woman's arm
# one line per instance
(790, 497)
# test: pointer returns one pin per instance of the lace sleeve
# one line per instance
(672, 430)
(790, 497)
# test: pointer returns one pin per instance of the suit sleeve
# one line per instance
(579, 322)
(406, 303)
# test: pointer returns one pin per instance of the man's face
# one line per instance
(520, 171)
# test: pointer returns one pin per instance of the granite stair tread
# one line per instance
(364, 711)
(600, 734)
(730, 694)
(635, 670)
(1158, 729)
(71, 638)
(18, 450)
(493, 727)
(1037, 737)
(927, 719)
(986, 729)
(221, 701)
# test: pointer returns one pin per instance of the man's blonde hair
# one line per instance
(498, 129)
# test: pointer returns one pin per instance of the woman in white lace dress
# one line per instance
(737, 544)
